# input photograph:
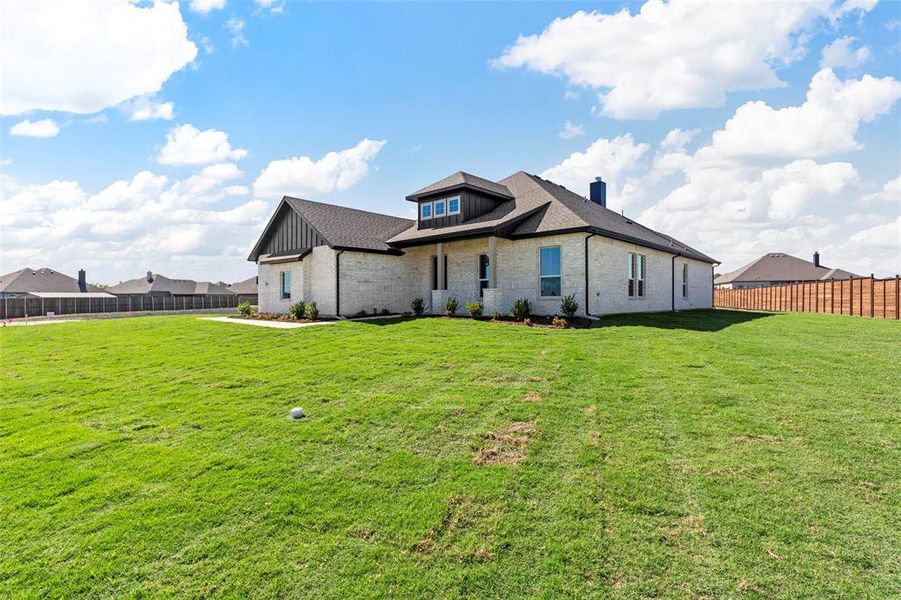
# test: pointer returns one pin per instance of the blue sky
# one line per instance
(254, 96)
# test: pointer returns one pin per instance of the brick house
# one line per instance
(477, 240)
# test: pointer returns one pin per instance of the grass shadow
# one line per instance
(694, 320)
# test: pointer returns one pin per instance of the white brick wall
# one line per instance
(375, 281)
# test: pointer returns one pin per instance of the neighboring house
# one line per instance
(777, 268)
(36, 283)
(185, 291)
(246, 290)
(477, 240)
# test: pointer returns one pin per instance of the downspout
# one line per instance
(338, 282)
(587, 237)
(673, 282)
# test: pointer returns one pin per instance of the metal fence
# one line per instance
(17, 308)
(862, 297)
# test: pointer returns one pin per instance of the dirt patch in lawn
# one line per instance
(506, 446)
(533, 397)
(465, 531)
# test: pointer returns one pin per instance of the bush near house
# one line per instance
(475, 309)
(522, 309)
(569, 306)
(297, 310)
(312, 311)
(450, 306)
(245, 308)
(673, 455)
(417, 305)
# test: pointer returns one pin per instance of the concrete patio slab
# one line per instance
(272, 324)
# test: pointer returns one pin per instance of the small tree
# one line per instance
(474, 309)
(450, 306)
(569, 306)
(312, 311)
(245, 308)
(522, 308)
(418, 305)
(297, 310)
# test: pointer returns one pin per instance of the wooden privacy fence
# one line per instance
(862, 297)
(16, 308)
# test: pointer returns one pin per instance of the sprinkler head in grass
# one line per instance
(297, 413)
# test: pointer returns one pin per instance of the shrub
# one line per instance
(385, 311)
(297, 310)
(560, 323)
(450, 306)
(474, 309)
(569, 306)
(527, 322)
(361, 314)
(312, 311)
(245, 308)
(522, 308)
(418, 305)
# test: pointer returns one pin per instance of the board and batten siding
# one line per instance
(291, 232)
(472, 205)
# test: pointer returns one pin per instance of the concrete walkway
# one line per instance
(273, 324)
(26, 322)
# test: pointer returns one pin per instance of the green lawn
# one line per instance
(714, 454)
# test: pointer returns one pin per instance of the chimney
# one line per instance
(598, 192)
(149, 276)
(82, 281)
(816, 258)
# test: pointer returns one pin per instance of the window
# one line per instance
(286, 284)
(484, 273)
(549, 270)
(439, 206)
(636, 272)
(435, 272)
(685, 280)
(453, 205)
(425, 210)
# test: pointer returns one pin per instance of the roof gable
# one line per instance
(28, 280)
(459, 180)
(779, 266)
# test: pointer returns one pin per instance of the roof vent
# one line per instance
(149, 276)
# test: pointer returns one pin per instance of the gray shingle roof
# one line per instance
(166, 285)
(344, 227)
(541, 207)
(779, 266)
(461, 179)
(248, 286)
(27, 280)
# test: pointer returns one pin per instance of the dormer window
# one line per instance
(440, 207)
(425, 210)
(453, 205)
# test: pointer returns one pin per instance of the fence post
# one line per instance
(897, 315)
(872, 297)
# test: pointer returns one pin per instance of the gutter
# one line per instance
(673, 282)
(587, 237)
(338, 282)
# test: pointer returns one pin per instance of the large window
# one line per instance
(286, 284)
(453, 205)
(425, 210)
(637, 268)
(484, 273)
(685, 280)
(549, 270)
(440, 208)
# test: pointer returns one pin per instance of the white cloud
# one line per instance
(187, 145)
(571, 130)
(302, 175)
(145, 108)
(677, 139)
(839, 54)
(825, 124)
(680, 54)
(45, 128)
(195, 227)
(890, 192)
(570, 95)
(273, 6)
(205, 6)
(83, 56)
(886, 236)
(235, 26)
(612, 159)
